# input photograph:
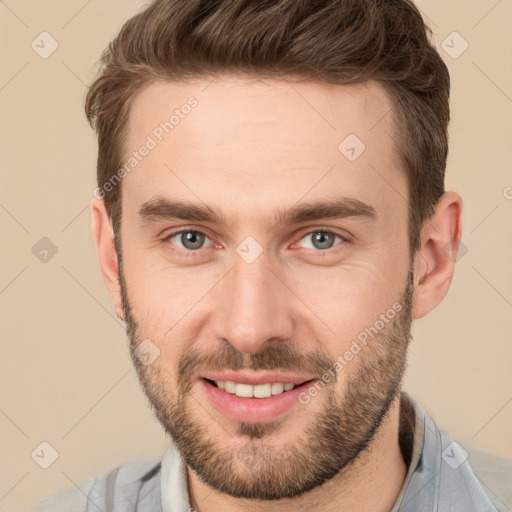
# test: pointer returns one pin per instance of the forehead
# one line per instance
(263, 140)
(236, 101)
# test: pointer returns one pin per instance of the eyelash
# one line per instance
(193, 253)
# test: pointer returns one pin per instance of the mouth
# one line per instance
(253, 391)
(253, 399)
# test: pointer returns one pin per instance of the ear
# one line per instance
(103, 236)
(434, 262)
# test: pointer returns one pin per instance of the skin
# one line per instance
(249, 149)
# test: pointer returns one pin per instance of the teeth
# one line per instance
(258, 391)
(244, 390)
(262, 390)
(277, 388)
(230, 387)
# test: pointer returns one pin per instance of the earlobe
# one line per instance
(103, 236)
(434, 263)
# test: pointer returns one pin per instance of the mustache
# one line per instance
(272, 357)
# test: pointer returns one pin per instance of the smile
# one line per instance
(249, 391)
(253, 399)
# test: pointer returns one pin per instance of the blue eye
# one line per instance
(188, 239)
(321, 240)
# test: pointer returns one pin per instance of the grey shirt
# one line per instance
(443, 476)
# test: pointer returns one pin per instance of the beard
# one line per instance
(251, 465)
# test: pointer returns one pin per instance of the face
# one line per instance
(265, 271)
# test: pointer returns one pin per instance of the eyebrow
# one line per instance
(159, 209)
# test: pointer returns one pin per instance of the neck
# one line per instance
(372, 482)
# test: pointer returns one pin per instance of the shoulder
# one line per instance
(494, 474)
(124, 482)
(454, 475)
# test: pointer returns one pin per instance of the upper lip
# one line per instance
(255, 378)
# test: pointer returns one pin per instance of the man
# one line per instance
(270, 217)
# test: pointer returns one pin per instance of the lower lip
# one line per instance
(252, 410)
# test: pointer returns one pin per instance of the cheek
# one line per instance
(165, 301)
(348, 299)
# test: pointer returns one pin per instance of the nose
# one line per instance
(255, 306)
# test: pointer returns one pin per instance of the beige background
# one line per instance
(66, 377)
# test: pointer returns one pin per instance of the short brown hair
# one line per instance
(331, 41)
